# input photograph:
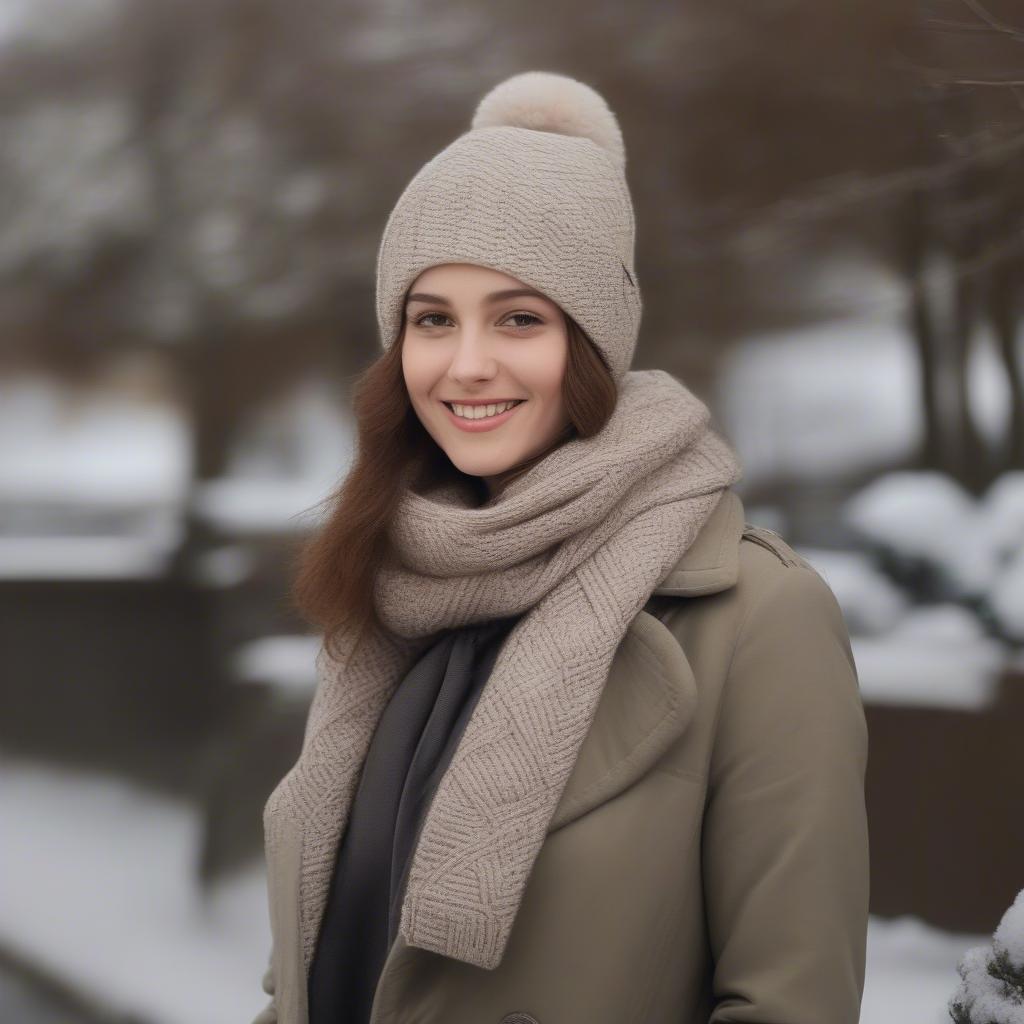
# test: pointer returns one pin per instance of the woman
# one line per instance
(584, 746)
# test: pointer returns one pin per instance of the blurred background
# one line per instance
(830, 207)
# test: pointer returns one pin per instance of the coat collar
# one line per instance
(711, 562)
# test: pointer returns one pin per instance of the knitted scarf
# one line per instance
(578, 543)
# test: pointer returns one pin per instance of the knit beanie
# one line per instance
(536, 189)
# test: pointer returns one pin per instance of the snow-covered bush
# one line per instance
(992, 977)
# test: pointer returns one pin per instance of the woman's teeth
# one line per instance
(479, 412)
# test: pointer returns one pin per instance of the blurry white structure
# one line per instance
(92, 483)
(937, 656)
(820, 402)
(287, 457)
(286, 663)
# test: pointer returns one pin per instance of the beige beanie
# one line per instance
(536, 189)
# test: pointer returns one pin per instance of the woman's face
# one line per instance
(475, 335)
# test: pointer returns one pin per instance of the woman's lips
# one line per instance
(484, 423)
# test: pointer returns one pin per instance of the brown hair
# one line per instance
(335, 568)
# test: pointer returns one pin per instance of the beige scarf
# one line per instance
(579, 541)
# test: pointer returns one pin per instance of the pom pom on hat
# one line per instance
(549, 102)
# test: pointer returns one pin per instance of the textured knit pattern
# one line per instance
(578, 543)
(551, 210)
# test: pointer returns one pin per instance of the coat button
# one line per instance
(519, 1017)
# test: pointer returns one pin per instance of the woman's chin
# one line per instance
(485, 470)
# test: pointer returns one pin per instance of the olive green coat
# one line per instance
(708, 859)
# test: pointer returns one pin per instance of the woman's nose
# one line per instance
(472, 354)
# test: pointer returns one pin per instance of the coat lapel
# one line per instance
(651, 693)
(646, 704)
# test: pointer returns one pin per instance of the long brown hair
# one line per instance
(335, 568)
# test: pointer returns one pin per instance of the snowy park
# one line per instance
(830, 241)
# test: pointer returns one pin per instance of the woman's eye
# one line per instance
(427, 316)
(533, 319)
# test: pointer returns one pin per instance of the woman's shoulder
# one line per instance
(771, 659)
(791, 640)
(777, 600)
(760, 562)
(782, 671)
(771, 571)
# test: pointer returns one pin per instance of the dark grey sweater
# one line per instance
(408, 755)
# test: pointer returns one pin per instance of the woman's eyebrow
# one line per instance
(508, 293)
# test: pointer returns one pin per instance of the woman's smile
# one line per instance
(479, 422)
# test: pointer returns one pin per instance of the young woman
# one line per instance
(585, 747)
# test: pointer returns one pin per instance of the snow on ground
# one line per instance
(98, 887)
(911, 971)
